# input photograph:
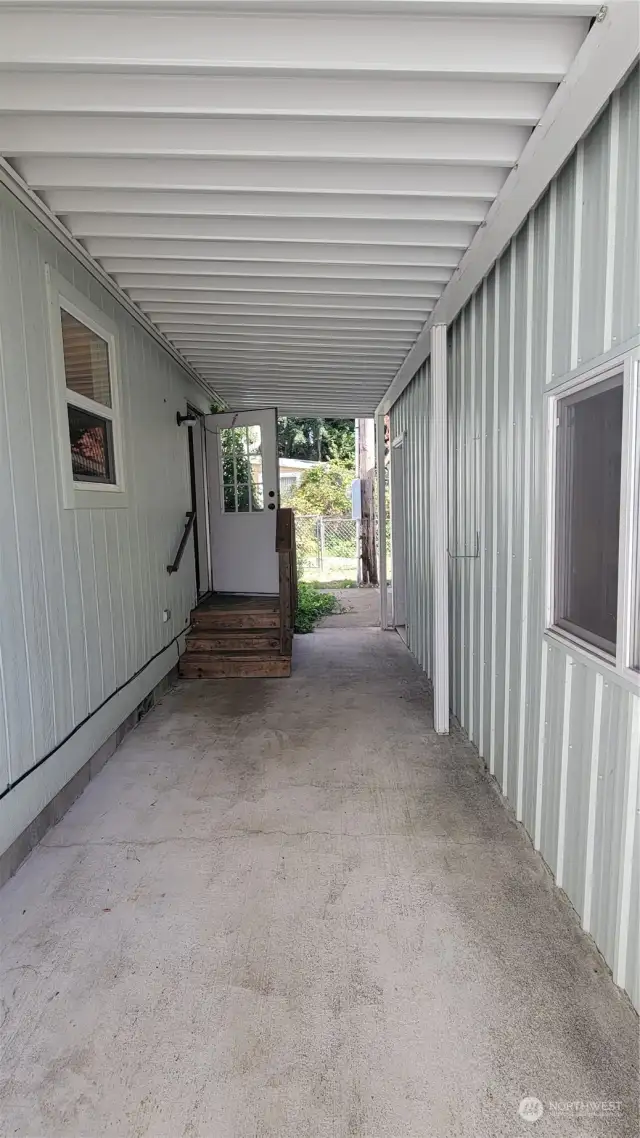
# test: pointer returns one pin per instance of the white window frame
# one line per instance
(626, 660)
(84, 495)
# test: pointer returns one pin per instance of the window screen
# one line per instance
(589, 453)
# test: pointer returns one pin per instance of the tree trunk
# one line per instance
(365, 469)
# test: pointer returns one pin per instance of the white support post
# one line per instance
(438, 515)
(382, 520)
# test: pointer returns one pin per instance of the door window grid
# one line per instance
(241, 466)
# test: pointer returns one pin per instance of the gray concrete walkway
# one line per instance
(359, 608)
(286, 909)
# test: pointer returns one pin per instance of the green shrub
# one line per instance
(312, 605)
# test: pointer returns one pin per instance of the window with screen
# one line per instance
(241, 459)
(589, 427)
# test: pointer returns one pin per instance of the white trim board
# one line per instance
(605, 58)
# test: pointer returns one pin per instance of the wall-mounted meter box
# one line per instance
(356, 499)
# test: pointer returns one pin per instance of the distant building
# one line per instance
(291, 471)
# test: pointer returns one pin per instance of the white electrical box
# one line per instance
(356, 499)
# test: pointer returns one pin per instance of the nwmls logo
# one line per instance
(588, 1109)
(530, 1109)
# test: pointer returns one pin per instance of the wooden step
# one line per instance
(248, 665)
(227, 620)
(233, 640)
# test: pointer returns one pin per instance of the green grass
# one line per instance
(312, 605)
(336, 583)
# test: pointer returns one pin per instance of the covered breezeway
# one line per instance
(299, 908)
(289, 908)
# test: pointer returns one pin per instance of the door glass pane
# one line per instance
(91, 446)
(86, 360)
(243, 500)
(241, 459)
(588, 512)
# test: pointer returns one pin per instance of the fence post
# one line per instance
(322, 543)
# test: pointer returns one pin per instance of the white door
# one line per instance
(242, 464)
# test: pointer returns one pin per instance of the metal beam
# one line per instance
(284, 176)
(259, 206)
(314, 352)
(359, 312)
(285, 321)
(344, 374)
(210, 42)
(188, 289)
(606, 56)
(362, 7)
(297, 97)
(226, 341)
(275, 252)
(438, 522)
(480, 144)
(382, 519)
(363, 233)
(355, 314)
(232, 358)
(410, 278)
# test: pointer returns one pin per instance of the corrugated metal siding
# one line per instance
(561, 735)
(410, 415)
(82, 590)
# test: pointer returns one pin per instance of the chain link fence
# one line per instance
(327, 547)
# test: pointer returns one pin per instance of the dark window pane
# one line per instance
(588, 512)
(86, 360)
(91, 446)
(243, 499)
(257, 502)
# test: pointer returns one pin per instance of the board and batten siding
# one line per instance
(560, 733)
(82, 592)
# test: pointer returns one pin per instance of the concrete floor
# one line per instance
(360, 609)
(286, 909)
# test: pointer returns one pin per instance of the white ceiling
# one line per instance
(285, 187)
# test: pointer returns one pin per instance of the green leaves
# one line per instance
(312, 605)
(324, 490)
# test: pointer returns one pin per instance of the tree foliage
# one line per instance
(324, 490)
(317, 439)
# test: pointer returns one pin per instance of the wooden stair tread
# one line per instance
(237, 654)
(238, 602)
(215, 640)
(206, 665)
(229, 620)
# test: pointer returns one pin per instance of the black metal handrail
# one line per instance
(191, 517)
